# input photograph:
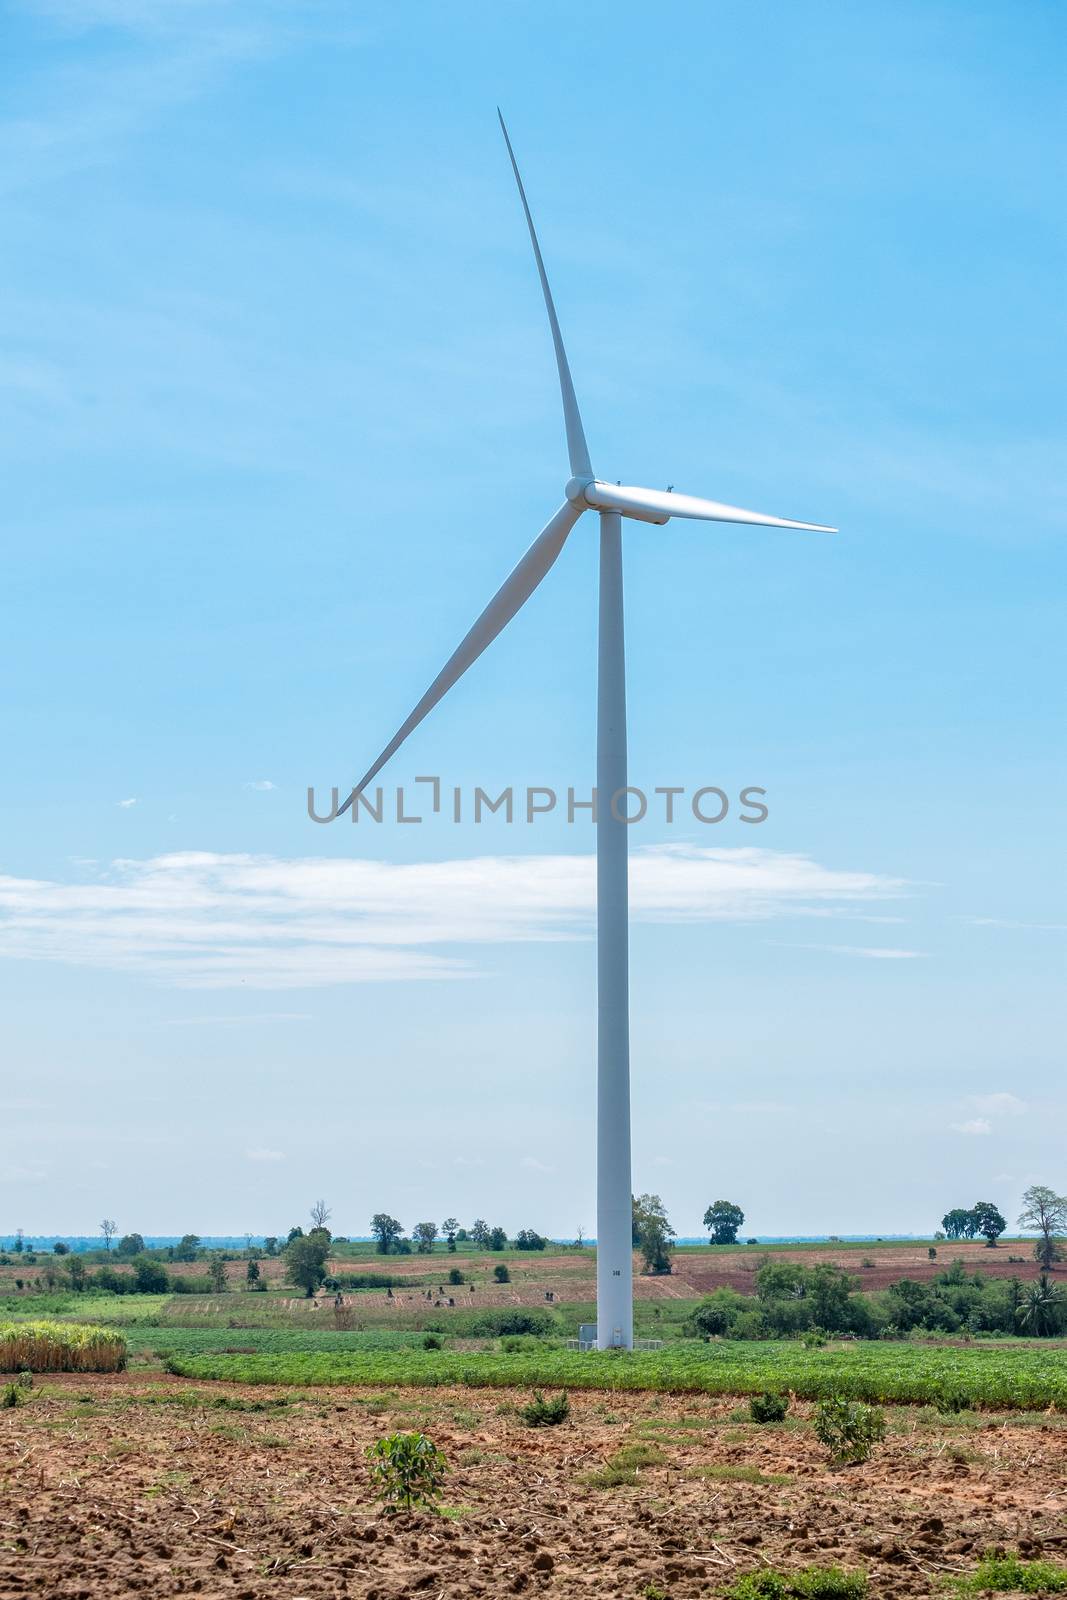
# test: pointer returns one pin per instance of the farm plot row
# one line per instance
(1018, 1376)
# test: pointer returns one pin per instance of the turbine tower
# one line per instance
(614, 502)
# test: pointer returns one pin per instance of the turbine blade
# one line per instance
(509, 598)
(659, 505)
(577, 449)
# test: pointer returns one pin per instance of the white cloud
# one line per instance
(262, 784)
(126, 804)
(264, 1155)
(532, 1164)
(201, 920)
(976, 1126)
(999, 1104)
(867, 952)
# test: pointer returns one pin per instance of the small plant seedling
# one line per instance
(408, 1470)
(768, 1407)
(542, 1413)
(848, 1428)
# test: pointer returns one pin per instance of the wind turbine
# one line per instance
(586, 492)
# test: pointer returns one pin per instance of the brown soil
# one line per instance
(105, 1493)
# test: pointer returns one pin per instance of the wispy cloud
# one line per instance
(1002, 1104)
(125, 805)
(211, 921)
(977, 1126)
(866, 952)
(1005, 922)
(532, 1164)
(261, 783)
(264, 1155)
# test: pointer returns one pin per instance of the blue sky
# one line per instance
(278, 415)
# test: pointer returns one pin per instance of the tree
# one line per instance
(1041, 1307)
(722, 1220)
(424, 1234)
(217, 1274)
(653, 1232)
(187, 1247)
(305, 1262)
(150, 1276)
(989, 1221)
(1044, 1213)
(959, 1224)
(320, 1215)
(131, 1244)
(252, 1273)
(449, 1228)
(60, 1249)
(501, 1273)
(386, 1230)
(528, 1239)
(498, 1239)
(480, 1232)
(75, 1272)
(270, 1244)
(109, 1230)
(20, 1242)
(294, 1233)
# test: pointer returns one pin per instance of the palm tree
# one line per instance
(1040, 1309)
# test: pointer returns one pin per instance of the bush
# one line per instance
(493, 1324)
(455, 1275)
(501, 1273)
(433, 1341)
(11, 1395)
(811, 1583)
(848, 1428)
(768, 1407)
(1007, 1574)
(542, 1413)
(150, 1276)
(407, 1469)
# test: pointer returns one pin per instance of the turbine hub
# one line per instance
(575, 491)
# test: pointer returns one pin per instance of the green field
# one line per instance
(191, 1341)
(1018, 1376)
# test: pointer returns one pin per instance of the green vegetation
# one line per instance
(542, 1413)
(848, 1428)
(59, 1347)
(810, 1583)
(1009, 1574)
(723, 1221)
(1016, 1376)
(768, 1407)
(622, 1468)
(652, 1232)
(408, 1469)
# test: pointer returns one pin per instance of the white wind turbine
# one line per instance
(586, 492)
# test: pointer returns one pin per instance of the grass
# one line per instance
(1018, 1377)
(737, 1474)
(59, 1347)
(265, 1341)
(1010, 1574)
(623, 1467)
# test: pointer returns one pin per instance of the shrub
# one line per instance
(493, 1324)
(11, 1395)
(407, 1469)
(455, 1275)
(542, 1413)
(812, 1583)
(1007, 1574)
(768, 1407)
(848, 1428)
(432, 1341)
(150, 1276)
(60, 1347)
(501, 1273)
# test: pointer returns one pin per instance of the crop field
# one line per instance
(142, 1483)
(1019, 1376)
